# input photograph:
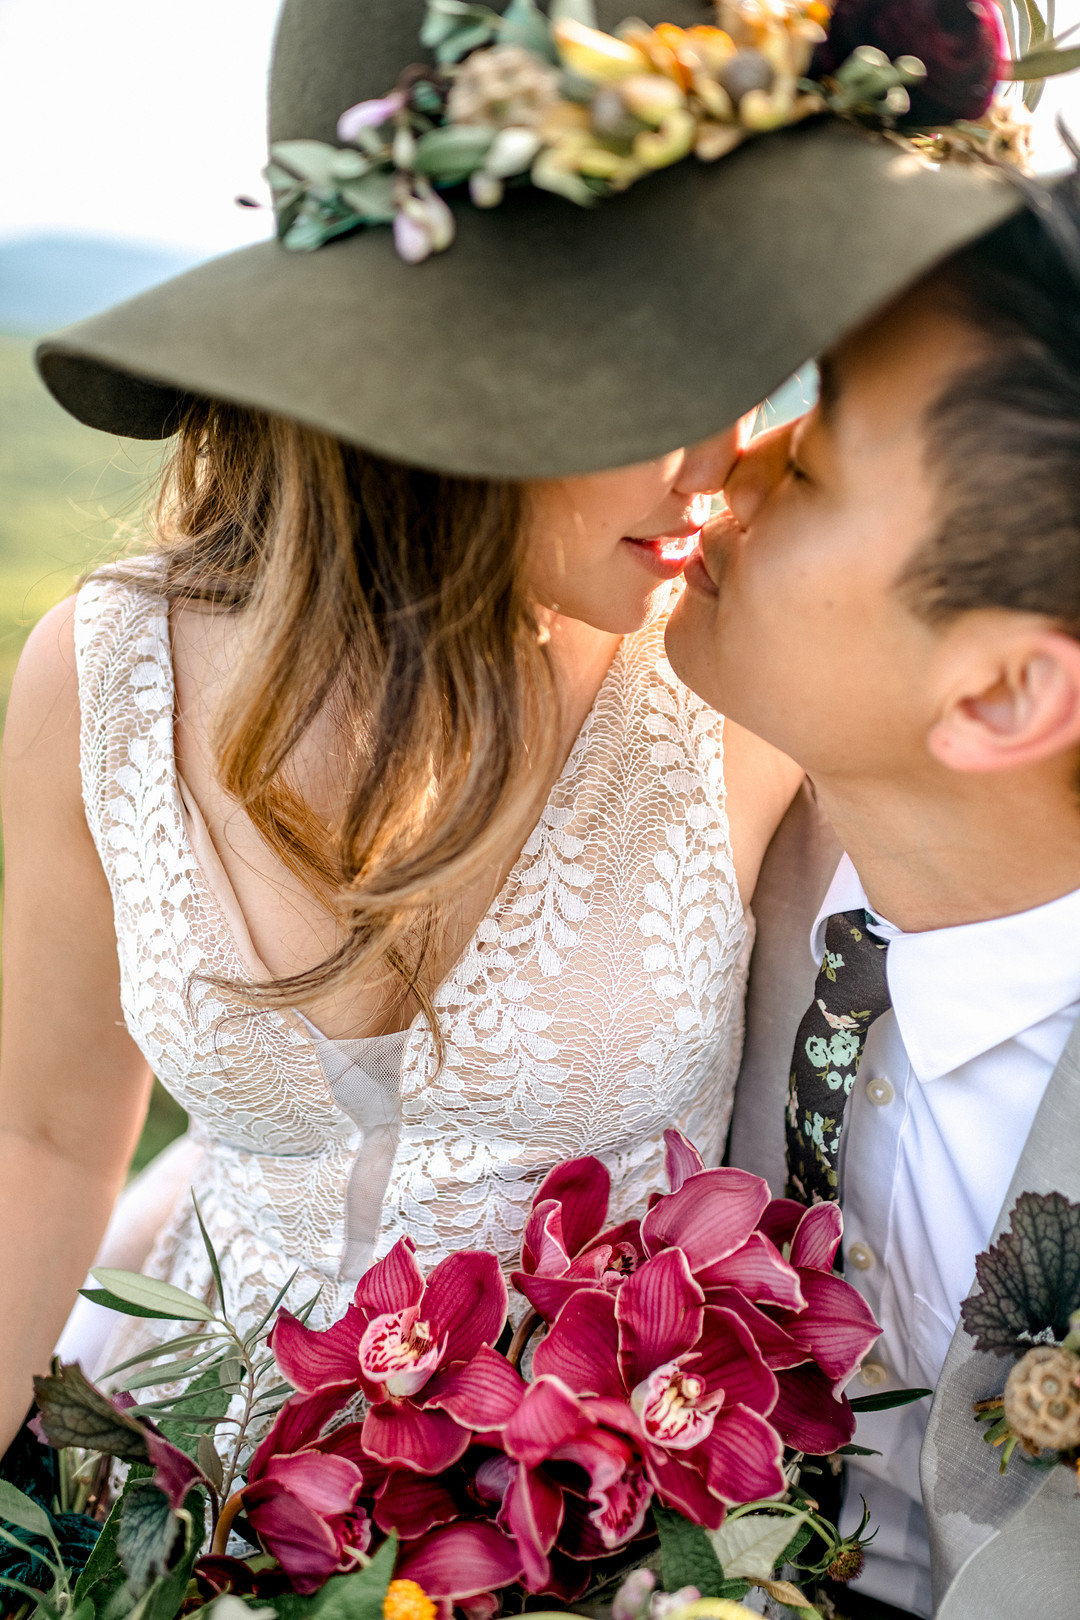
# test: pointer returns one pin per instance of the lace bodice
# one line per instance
(599, 1002)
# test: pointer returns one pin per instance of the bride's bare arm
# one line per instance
(73, 1085)
(761, 783)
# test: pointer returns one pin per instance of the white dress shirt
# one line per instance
(949, 1084)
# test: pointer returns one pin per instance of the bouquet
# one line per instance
(644, 1430)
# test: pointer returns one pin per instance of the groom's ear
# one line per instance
(1016, 704)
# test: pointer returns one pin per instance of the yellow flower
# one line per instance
(405, 1600)
(596, 56)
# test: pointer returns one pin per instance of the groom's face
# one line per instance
(792, 623)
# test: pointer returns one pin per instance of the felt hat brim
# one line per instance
(549, 339)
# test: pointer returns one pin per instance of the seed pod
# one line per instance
(747, 70)
(1042, 1400)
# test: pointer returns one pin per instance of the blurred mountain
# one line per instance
(50, 280)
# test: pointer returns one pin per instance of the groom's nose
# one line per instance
(707, 466)
(757, 472)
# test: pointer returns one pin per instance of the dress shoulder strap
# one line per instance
(124, 668)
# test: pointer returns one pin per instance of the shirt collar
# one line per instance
(959, 992)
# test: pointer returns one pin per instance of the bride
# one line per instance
(364, 810)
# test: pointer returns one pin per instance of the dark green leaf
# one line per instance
(1030, 1280)
(890, 1398)
(30, 1592)
(166, 1597)
(359, 1596)
(74, 1413)
(208, 1401)
(113, 1302)
(686, 1555)
(462, 41)
(1043, 64)
(148, 1533)
(803, 1536)
(856, 1451)
(103, 1575)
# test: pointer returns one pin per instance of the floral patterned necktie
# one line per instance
(851, 991)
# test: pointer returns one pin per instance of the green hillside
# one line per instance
(69, 498)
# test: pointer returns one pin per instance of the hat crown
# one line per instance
(330, 54)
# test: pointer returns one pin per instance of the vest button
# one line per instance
(873, 1374)
(861, 1255)
(879, 1092)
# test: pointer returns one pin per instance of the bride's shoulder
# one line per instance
(41, 728)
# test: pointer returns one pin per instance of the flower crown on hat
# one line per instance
(548, 100)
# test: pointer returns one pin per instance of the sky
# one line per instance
(145, 118)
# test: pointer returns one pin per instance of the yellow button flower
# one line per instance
(405, 1600)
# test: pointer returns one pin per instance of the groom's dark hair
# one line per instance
(1003, 439)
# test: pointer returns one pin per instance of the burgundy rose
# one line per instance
(960, 43)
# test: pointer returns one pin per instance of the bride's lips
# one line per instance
(665, 555)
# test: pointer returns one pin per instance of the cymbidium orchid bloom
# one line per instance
(407, 1345)
(565, 1247)
(302, 1496)
(683, 1380)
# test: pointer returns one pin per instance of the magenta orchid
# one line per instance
(565, 1247)
(403, 1344)
(303, 1490)
(683, 1379)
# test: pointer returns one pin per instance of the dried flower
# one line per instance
(960, 42)
(1042, 1400)
(507, 85)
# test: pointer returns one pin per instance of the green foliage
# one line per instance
(687, 1558)
(74, 1413)
(1029, 1281)
(752, 1545)
(147, 1534)
(17, 1508)
(358, 1596)
(888, 1399)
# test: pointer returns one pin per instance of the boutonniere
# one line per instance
(1028, 1307)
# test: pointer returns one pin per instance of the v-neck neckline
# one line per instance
(202, 851)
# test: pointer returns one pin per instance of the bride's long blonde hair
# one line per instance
(396, 596)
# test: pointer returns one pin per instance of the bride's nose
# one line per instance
(706, 466)
(757, 472)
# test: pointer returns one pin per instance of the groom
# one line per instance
(894, 600)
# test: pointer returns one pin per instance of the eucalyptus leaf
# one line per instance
(20, 1510)
(151, 1294)
(752, 1546)
(372, 198)
(311, 161)
(461, 41)
(148, 1533)
(579, 11)
(253, 1337)
(451, 154)
(524, 24)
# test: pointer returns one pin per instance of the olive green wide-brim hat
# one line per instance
(549, 339)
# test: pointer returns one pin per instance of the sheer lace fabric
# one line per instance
(599, 1002)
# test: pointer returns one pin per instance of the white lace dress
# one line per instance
(599, 1002)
